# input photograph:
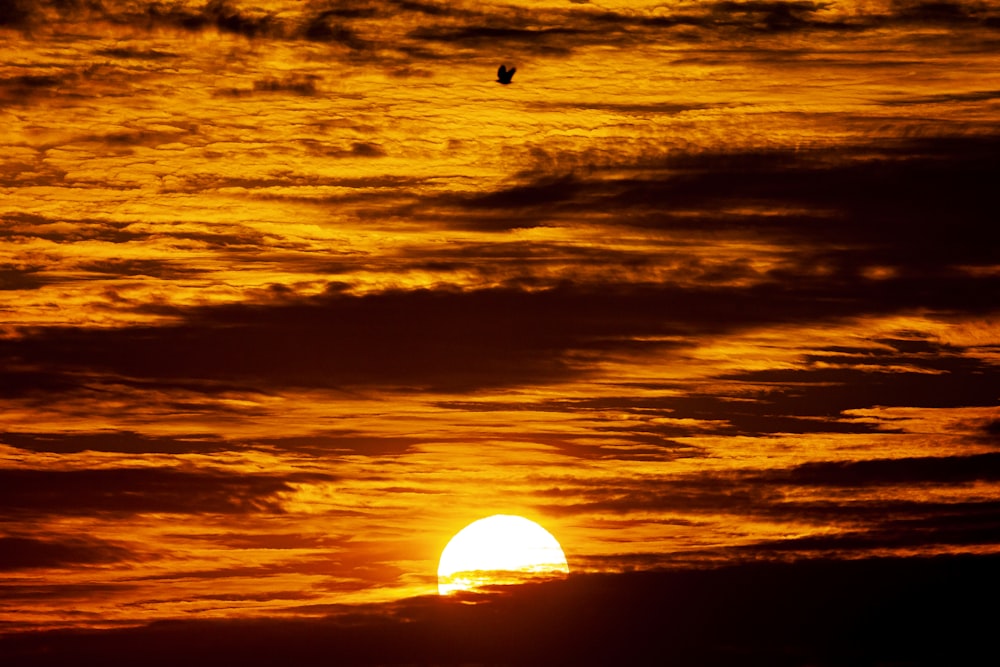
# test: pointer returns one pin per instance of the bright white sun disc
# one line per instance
(500, 549)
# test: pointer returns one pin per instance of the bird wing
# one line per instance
(510, 72)
(502, 71)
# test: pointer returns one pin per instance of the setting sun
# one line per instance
(500, 549)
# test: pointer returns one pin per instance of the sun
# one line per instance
(500, 549)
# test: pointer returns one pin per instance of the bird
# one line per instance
(504, 75)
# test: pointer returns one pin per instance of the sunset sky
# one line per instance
(290, 292)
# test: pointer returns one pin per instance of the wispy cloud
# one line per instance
(130, 490)
(22, 553)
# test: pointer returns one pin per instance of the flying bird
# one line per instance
(504, 75)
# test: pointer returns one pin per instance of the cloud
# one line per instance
(223, 15)
(14, 12)
(27, 383)
(450, 339)
(23, 553)
(817, 390)
(944, 13)
(911, 611)
(945, 98)
(897, 506)
(822, 197)
(776, 494)
(20, 277)
(435, 30)
(125, 442)
(902, 471)
(771, 16)
(231, 237)
(325, 28)
(162, 269)
(26, 591)
(893, 526)
(22, 89)
(348, 442)
(141, 490)
(132, 53)
(295, 84)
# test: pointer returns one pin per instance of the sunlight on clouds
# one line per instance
(291, 295)
(950, 423)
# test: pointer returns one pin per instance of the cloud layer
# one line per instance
(291, 292)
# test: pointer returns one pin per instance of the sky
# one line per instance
(290, 292)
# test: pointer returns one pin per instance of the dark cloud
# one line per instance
(693, 495)
(944, 13)
(163, 269)
(37, 383)
(366, 149)
(256, 597)
(765, 493)
(944, 380)
(552, 31)
(18, 227)
(771, 16)
(992, 430)
(877, 520)
(327, 28)
(125, 442)
(816, 398)
(934, 193)
(513, 262)
(268, 541)
(440, 339)
(825, 613)
(29, 591)
(133, 53)
(902, 471)
(344, 442)
(945, 98)
(299, 85)
(140, 490)
(21, 277)
(321, 563)
(368, 193)
(660, 109)
(443, 339)
(15, 12)
(222, 15)
(22, 553)
(21, 226)
(24, 88)
(546, 192)
(130, 138)
(25, 82)
(561, 31)
(424, 338)
(969, 525)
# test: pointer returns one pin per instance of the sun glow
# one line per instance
(498, 550)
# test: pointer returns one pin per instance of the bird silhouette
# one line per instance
(504, 75)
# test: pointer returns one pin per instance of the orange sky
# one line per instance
(292, 291)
